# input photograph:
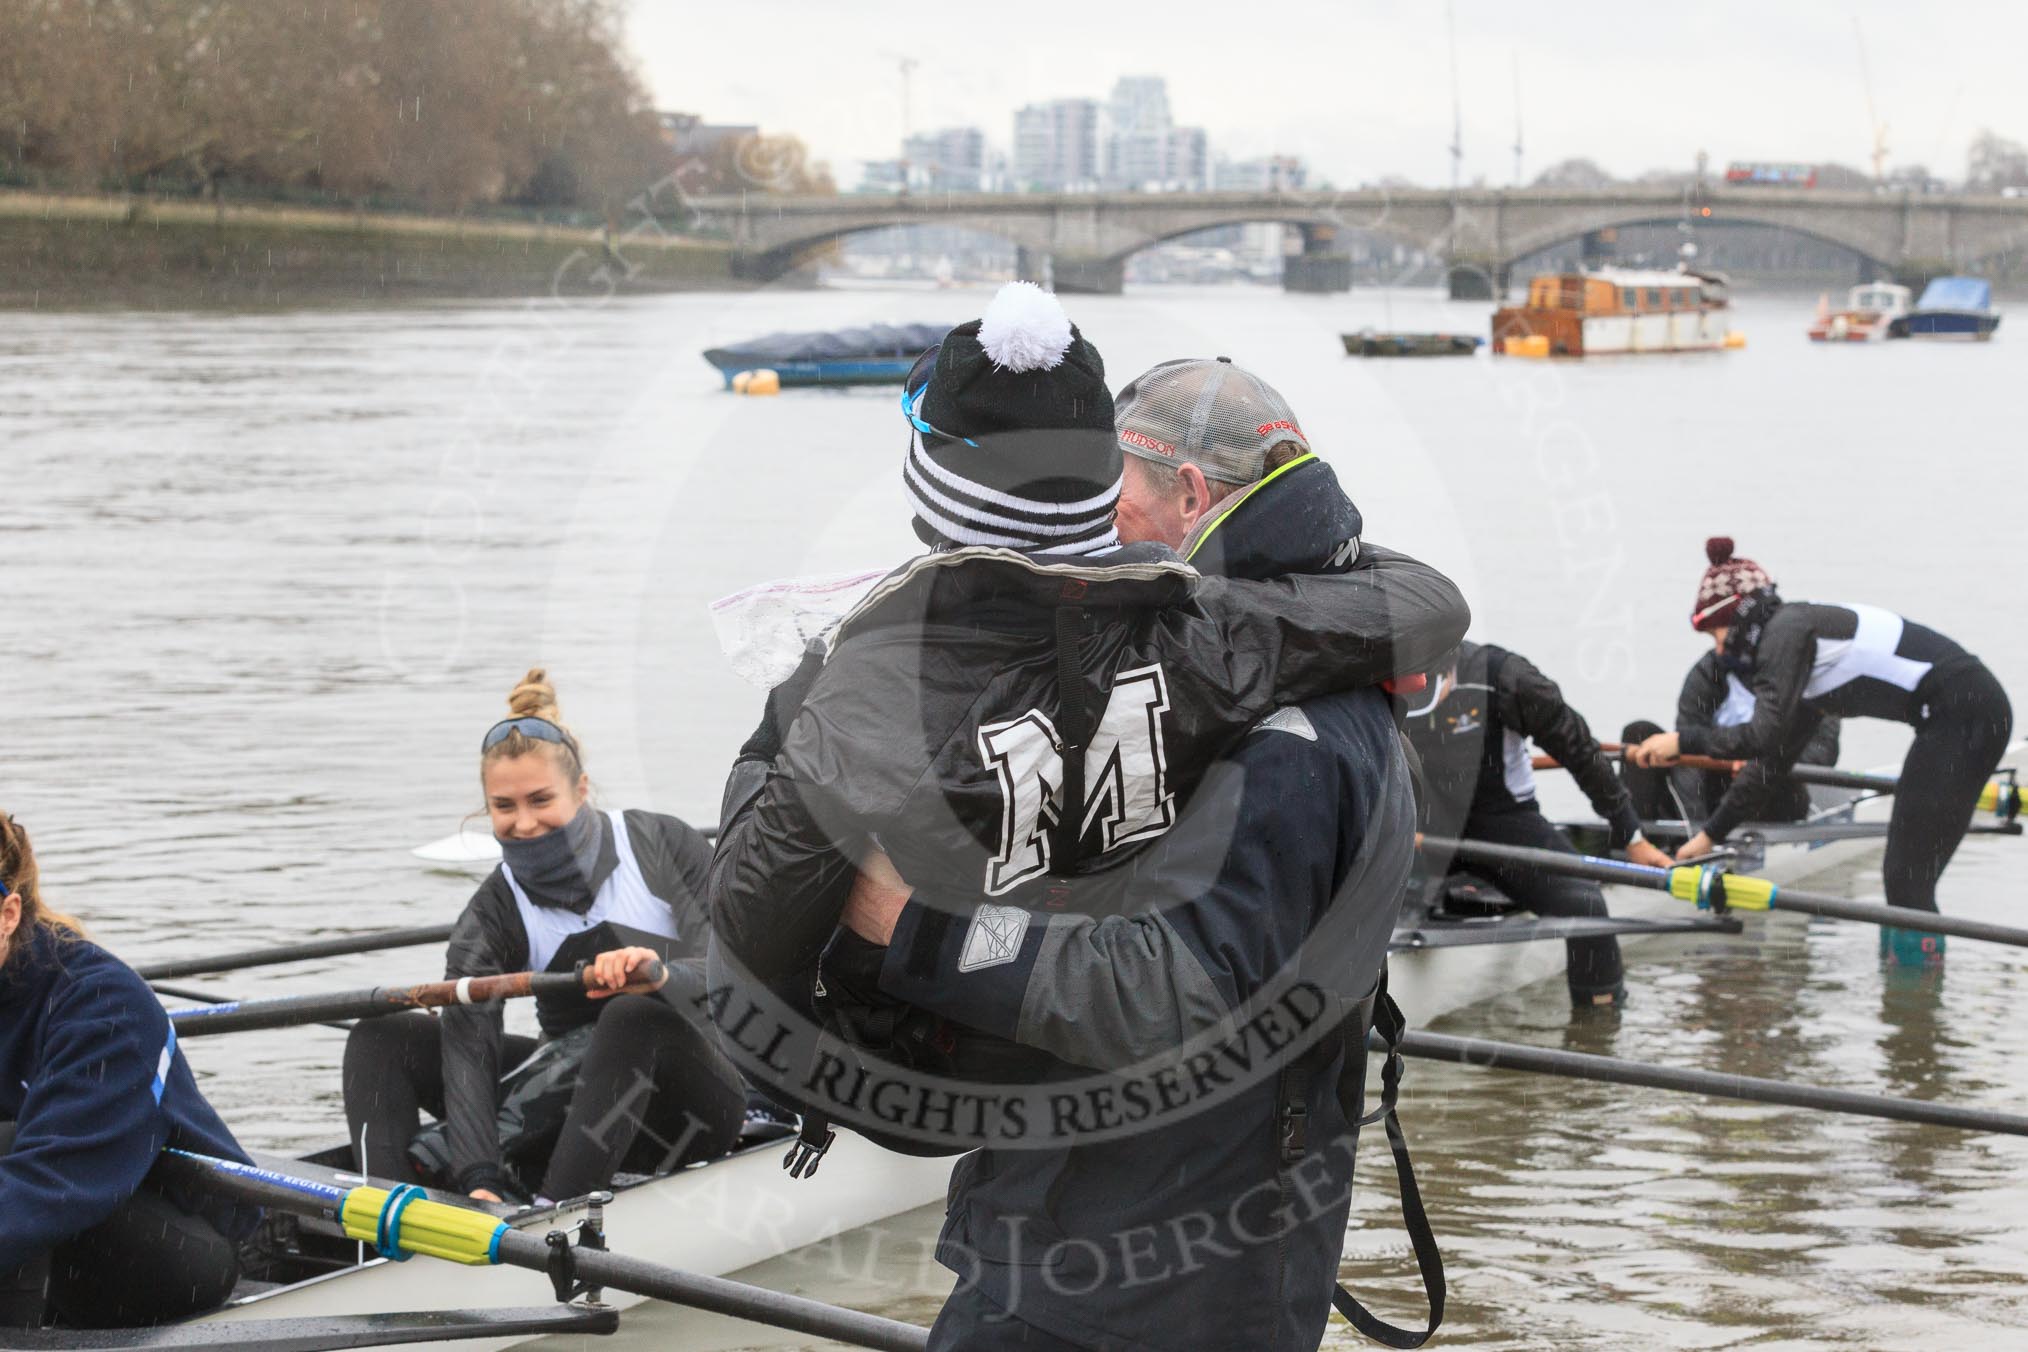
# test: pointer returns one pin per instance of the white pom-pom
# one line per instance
(1025, 329)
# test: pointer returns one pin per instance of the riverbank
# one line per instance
(74, 252)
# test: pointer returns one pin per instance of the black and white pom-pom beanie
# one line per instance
(1011, 437)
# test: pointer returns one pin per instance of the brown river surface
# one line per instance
(264, 580)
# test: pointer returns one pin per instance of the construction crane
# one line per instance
(1874, 125)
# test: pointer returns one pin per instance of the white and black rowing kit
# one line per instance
(1805, 661)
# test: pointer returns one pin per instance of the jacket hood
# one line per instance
(1296, 520)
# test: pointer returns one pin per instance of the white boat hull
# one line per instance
(738, 1212)
(1664, 331)
(712, 1219)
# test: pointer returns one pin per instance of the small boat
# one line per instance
(880, 354)
(1368, 343)
(1869, 314)
(1951, 307)
(1578, 314)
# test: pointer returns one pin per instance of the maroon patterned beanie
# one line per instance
(1725, 582)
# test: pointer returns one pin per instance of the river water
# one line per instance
(266, 578)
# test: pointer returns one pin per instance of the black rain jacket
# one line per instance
(955, 649)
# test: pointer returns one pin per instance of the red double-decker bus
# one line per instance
(1749, 175)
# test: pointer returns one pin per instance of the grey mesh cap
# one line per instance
(1217, 416)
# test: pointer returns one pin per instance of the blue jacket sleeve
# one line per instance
(91, 1122)
(1146, 955)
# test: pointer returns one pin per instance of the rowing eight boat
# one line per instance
(730, 1214)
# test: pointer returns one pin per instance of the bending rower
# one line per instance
(1807, 661)
(1714, 696)
(1472, 732)
(646, 1088)
(92, 1087)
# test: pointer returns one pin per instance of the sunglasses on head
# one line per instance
(911, 408)
(539, 729)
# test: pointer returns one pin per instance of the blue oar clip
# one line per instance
(387, 1239)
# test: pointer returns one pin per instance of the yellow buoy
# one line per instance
(1526, 345)
(740, 380)
(764, 381)
(1734, 338)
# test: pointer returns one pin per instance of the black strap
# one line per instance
(813, 1137)
(1389, 1024)
(1074, 726)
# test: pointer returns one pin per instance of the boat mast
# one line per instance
(1873, 123)
(1457, 108)
(1517, 117)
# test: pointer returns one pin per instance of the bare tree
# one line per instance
(444, 103)
(1574, 173)
(1995, 163)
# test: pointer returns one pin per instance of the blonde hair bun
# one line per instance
(534, 697)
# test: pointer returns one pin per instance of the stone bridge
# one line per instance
(1082, 240)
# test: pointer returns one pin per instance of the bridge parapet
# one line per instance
(1089, 236)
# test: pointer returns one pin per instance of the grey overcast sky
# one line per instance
(1362, 89)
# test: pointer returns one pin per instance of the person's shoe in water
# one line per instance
(1910, 948)
(1616, 998)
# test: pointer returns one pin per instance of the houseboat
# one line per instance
(1951, 307)
(1576, 314)
(1869, 314)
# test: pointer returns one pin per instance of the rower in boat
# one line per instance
(92, 1087)
(1713, 695)
(1806, 662)
(614, 1084)
(1472, 729)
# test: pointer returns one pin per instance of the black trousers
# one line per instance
(148, 1263)
(654, 1093)
(1664, 795)
(1957, 747)
(1591, 965)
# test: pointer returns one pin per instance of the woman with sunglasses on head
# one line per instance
(92, 1087)
(647, 1085)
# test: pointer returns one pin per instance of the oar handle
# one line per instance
(1615, 751)
(290, 1010)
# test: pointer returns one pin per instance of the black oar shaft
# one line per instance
(530, 1249)
(1901, 917)
(1780, 898)
(720, 1295)
(1492, 1055)
(315, 948)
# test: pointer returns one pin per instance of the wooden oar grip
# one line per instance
(644, 980)
(1614, 749)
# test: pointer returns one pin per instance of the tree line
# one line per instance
(441, 104)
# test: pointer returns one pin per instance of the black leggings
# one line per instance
(654, 1093)
(147, 1263)
(1957, 747)
(1592, 965)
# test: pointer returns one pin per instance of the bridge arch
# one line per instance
(1866, 244)
(781, 256)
